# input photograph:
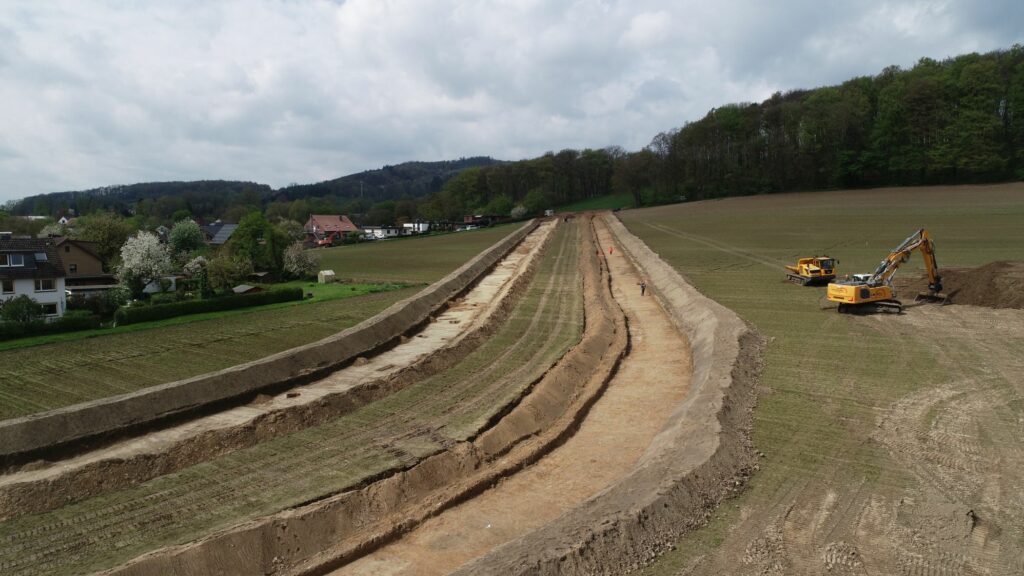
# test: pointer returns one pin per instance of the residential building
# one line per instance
(32, 266)
(381, 232)
(218, 233)
(83, 267)
(324, 229)
(416, 227)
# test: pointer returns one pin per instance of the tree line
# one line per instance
(955, 121)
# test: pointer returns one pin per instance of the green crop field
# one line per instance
(72, 369)
(828, 377)
(391, 433)
(410, 259)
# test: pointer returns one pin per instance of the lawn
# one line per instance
(828, 376)
(411, 260)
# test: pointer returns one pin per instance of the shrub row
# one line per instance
(136, 314)
(70, 322)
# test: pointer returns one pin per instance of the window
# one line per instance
(40, 256)
(67, 247)
(73, 268)
(50, 309)
(17, 259)
(8, 286)
(3, 260)
(45, 285)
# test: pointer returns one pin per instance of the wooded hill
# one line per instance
(959, 120)
(221, 199)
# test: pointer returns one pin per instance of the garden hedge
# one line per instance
(136, 314)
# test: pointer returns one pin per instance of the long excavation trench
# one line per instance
(651, 381)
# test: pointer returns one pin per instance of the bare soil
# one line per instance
(651, 381)
(994, 285)
(950, 501)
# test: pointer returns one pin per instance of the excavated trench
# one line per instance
(453, 334)
(531, 392)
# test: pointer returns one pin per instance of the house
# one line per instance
(83, 267)
(410, 228)
(326, 228)
(32, 266)
(381, 232)
(218, 233)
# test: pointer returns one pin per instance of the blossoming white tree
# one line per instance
(143, 259)
(299, 262)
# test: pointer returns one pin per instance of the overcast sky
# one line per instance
(95, 93)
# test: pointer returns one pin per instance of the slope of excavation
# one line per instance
(651, 381)
(49, 485)
(388, 435)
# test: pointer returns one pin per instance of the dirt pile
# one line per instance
(994, 285)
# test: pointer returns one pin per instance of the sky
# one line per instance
(95, 93)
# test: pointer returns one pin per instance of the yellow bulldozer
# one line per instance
(811, 271)
(875, 293)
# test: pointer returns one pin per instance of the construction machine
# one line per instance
(811, 271)
(875, 293)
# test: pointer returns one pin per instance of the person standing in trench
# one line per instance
(643, 286)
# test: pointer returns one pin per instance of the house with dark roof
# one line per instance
(326, 228)
(218, 233)
(83, 267)
(33, 267)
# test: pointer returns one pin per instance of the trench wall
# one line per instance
(108, 415)
(326, 534)
(701, 455)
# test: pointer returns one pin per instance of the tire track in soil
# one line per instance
(299, 468)
(957, 441)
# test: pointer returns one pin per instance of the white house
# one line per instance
(32, 266)
(381, 232)
(415, 228)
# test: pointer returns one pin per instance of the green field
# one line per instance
(830, 378)
(409, 259)
(78, 367)
(391, 433)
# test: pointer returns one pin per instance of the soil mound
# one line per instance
(994, 285)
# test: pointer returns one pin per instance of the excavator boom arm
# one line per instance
(919, 240)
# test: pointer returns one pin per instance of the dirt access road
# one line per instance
(651, 381)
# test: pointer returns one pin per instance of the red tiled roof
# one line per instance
(331, 223)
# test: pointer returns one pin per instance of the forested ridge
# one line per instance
(955, 121)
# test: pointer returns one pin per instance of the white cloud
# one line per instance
(280, 91)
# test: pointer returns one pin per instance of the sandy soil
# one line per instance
(651, 381)
(958, 441)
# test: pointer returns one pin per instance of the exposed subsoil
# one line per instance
(312, 538)
(651, 381)
(993, 285)
(442, 343)
(429, 418)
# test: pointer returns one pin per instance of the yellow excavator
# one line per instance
(874, 293)
(810, 271)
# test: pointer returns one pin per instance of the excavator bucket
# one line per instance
(932, 297)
